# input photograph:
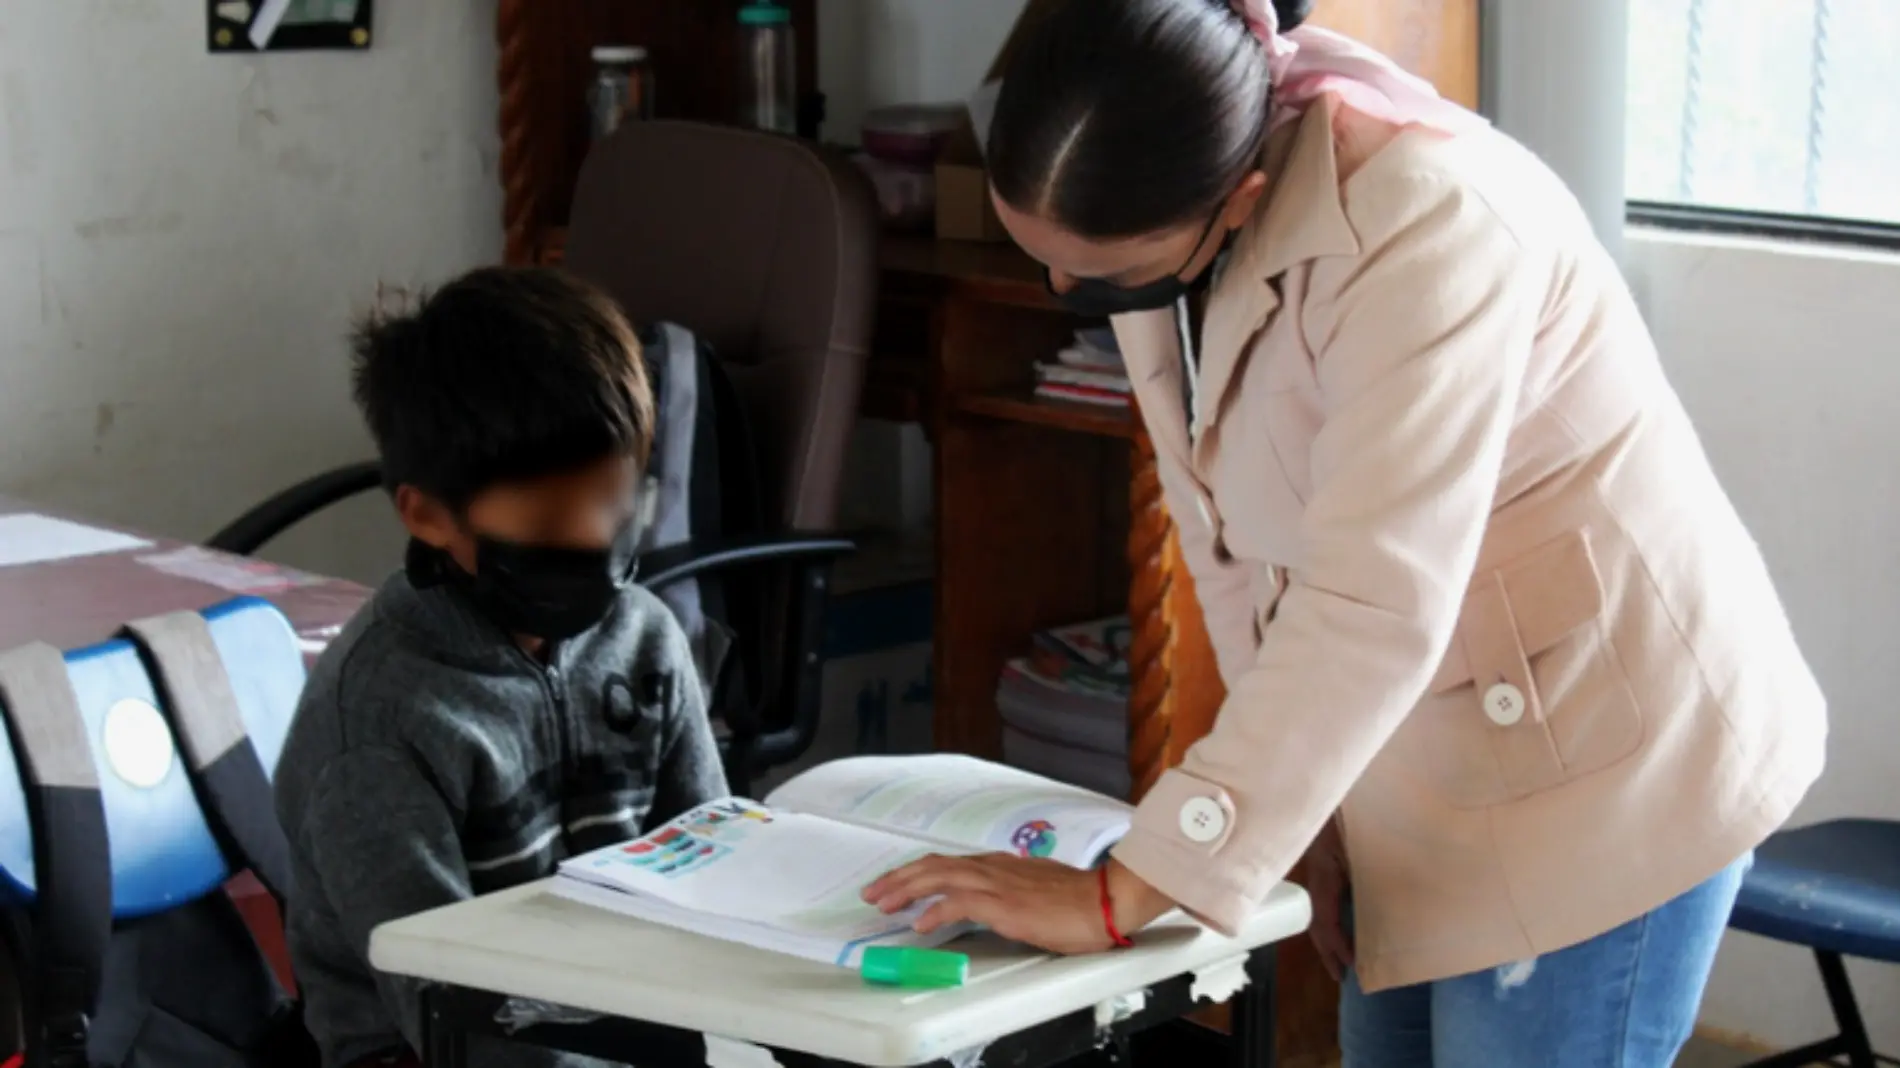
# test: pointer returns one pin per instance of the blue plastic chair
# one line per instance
(1835, 888)
(162, 854)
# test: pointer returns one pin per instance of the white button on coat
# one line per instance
(1202, 820)
(1505, 704)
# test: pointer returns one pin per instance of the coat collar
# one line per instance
(1303, 218)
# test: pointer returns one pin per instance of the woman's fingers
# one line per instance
(1037, 902)
(961, 907)
(895, 881)
(887, 882)
(933, 876)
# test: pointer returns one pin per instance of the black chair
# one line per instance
(765, 247)
(1835, 888)
(780, 727)
(264, 522)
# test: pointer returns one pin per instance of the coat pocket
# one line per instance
(1530, 695)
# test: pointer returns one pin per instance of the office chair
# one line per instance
(766, 248)
(264, 521)
(1835, 888)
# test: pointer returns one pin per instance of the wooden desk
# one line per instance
(86, 599)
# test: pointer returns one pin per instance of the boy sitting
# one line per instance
(510, 698)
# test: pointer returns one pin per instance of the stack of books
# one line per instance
(1089, 371)
(1065, 706)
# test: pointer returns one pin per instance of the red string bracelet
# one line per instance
(1108, 911)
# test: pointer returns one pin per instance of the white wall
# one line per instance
(183, 239)
(877, 52)
(1786, 358)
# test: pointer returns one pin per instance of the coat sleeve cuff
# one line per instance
(1174, 845)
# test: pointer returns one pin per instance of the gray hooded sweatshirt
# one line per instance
(432, 759)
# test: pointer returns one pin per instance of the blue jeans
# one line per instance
(1624, 999)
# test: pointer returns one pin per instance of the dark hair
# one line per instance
(1119, 118)
(502, 375)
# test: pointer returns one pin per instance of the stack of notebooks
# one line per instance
(1065, 706)
(1089, 371)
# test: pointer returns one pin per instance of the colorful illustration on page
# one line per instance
(1037, 838)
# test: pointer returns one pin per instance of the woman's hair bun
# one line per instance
(1292, 12)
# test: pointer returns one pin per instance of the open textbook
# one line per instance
(786, 875)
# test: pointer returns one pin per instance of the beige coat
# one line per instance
(1472, 582)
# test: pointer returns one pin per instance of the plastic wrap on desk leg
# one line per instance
(1220, 981)
(969, 1058)
(1116, 1009)
(519, 1014)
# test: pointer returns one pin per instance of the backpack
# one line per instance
(703, 479)
(99, 926)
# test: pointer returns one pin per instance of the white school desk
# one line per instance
(645, 980)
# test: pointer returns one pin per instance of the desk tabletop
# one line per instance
(528, 943)
(77, 601)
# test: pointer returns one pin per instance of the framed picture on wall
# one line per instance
(288, 25)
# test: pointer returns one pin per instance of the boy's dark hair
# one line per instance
(504, 374)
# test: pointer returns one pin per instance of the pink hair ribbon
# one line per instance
(1308, 62)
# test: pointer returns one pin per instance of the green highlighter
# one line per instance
(908, 966)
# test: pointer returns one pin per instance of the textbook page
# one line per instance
(962, 801)
(748, 873)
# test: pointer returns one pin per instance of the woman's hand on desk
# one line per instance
(1039, 902)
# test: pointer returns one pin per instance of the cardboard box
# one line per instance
(964, 211)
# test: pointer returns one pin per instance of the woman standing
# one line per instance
(1499, 652)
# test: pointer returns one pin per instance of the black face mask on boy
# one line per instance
(1097, 298)
(540, 591)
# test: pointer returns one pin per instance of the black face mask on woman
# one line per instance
(1098, 298)
(541, 591)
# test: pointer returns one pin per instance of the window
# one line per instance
(1777, 108)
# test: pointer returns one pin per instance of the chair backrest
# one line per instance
(118, 762)
(766, 248)
(163, 851)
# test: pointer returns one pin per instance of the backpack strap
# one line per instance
(233, 790)
(72, 859)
